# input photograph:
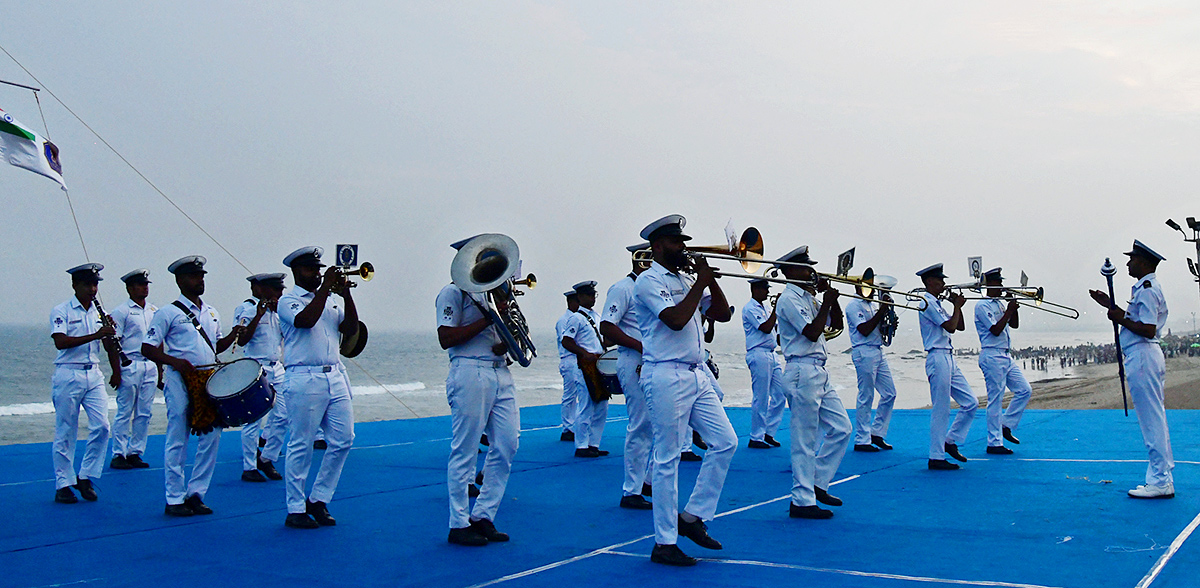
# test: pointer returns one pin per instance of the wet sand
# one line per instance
(1100, 388)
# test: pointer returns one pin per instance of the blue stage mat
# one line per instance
(1054, 514)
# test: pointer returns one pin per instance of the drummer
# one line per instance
(581, 337)
(190, 334)
(262, 342)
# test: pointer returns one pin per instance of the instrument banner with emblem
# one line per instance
(203, 415)
(596, 386)
(347, 255)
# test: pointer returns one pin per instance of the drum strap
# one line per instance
(195, 323)
(593, 323)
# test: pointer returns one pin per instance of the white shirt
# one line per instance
(583, 332)
(754, 314)
(795, 310)
(132, 322)
(857, 313)
(314, 346)
(69, 318)
(1146, 305)
(560, 327)
(987, 314)
(618, 308)
(933, 336)
(456, 309)
(654, 291)
(173, 329)
(266, 344)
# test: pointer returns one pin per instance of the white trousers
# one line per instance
(571, 377)
(946, 381)
(768, 397)
(589, 423)
(820, 429)
(135, 399)
(1000, 372)
(316, 399)
(482, 400)
(271, 427)
(1146, 370)
(680, 395)
(72, 390)
(874, 375)
(175, 452)
(639, 434)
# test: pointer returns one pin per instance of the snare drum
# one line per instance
(607, 366)
(242, 392)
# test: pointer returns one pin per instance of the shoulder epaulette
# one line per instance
(1146, 284)
(250, 300)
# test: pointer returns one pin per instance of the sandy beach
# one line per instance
(1100, 388)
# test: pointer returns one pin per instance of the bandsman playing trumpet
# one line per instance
(136, 382)
(946, 381)
(871, 369)
(766, 375)
(993, 318)
(820, 427)
(581, 337)
(262, 341)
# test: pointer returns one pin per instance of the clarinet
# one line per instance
(112, 339)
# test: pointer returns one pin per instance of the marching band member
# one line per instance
(872, 371)
(315, 382)
(618, 324)
(189, 333)
(581, 337)
(568, 369)
(946, 381)
(993, 319)
(482, 399)
(136, 382)
(262, 341)
(1141, 328)
(77, 330)
(766, 375)
(820, 427)
(667, 305)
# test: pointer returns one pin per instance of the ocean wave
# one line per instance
(389, 389)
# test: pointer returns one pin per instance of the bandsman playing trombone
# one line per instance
(946, 381)
(871, 369)
(766, 375)
(993, 319)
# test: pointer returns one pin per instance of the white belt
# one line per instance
(310, 369)
(77, 366)
(488, 363)
(818, 361)
(940, 350)
(685, 364)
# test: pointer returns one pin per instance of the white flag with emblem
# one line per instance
(22, 147)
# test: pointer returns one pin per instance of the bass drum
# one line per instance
(607, 366)
(241, 392)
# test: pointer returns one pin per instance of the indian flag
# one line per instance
(22, 147)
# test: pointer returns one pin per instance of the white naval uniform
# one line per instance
(766, 375)
(873, 374)
(482, 398)
(679, 392)
(1145, 370)
(817, 411)
(1000, 372)
(572, 377)
(77, 383)
(583, 328)
(139, 380)
(946, 381)
(172, 329)
(318, 396)
(266, 347)
(639, 435)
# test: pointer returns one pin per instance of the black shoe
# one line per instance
(262, 442)
(771, 441)
(136, 462)
(698, 442)
(587, 452)
(253, 476)
(697, 531)
(119, 463)
(808, 512)
(941, 464)
(268, 469)
(466, 536)
(866, 448)
(64, 495)
(671, 555)
(999, 450)
(320, 444)
(479, 478)
(486, 529)
(567, 435)
(878, 441)
(824, 497)
(952, 451)
(299, 520)
(483, 440)
(636, 502)
(1009, 436)
(86, 490)
(178, 510)
(689, 456)
(472, 491)
(197, 505)
(598, 451)
(755, 444)
(647, 490)
(320, 513)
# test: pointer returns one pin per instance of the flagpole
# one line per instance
(20, 85)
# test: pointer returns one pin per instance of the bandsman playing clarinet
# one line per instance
(993, 319)
(138, 380)
(262, 341)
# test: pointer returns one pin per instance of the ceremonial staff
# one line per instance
(1109, 270)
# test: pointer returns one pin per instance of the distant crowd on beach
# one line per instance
(1038, 358)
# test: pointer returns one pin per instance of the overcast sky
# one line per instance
(1042, 136)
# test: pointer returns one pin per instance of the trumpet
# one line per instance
(530, 282)
(365, 271)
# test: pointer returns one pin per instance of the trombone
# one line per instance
(1032, 297)
(747, 251)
